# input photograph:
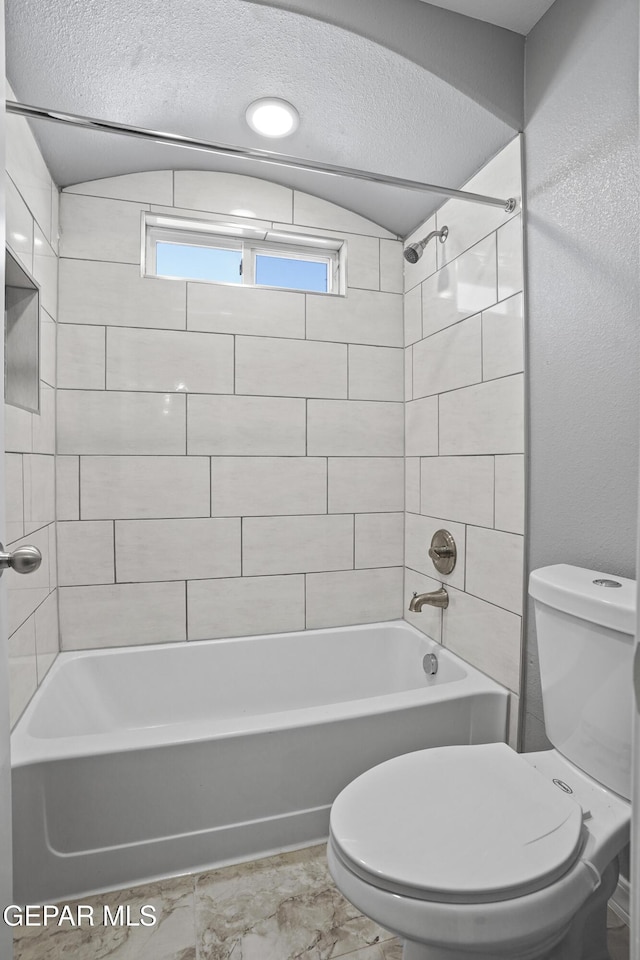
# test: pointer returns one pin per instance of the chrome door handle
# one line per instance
(25, 559)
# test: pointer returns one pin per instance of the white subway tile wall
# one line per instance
(419, 531)
(311, 211)
(364, 316)
(122, 614)
(465, 423)
(169, 360)
(379, 539)
(187, 549)
(93, 228)
(153, 187)
(225, 192)
(233, 461)
(376, 373)
(230, 459)
(32, 236)
(449, 359)
(244, 311)
(290, 368)
(353, 596)
(343, 428)
(243, 606)
(268, 486)
(274, 545)
(460, 288)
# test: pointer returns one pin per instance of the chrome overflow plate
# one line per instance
(430, 664)
(24, 559)
(443, 551)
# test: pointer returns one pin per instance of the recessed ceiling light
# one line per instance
(272, 118)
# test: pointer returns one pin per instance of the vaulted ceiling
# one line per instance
(518, 15)
(413, 90)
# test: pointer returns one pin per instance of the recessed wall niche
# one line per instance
(22, 337)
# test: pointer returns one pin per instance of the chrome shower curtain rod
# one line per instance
(247, 153)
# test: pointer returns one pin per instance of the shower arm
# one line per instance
(247, 153)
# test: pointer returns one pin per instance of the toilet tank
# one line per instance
(585, 623)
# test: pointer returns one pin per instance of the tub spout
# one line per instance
(438, 598)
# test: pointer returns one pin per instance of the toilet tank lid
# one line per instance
(572, 590)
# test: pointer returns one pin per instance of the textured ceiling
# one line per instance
(517, 15)
(192, 67)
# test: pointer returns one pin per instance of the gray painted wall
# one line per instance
(581, 153)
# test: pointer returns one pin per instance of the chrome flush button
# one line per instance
(607, 583)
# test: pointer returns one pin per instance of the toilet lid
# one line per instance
(459, 824)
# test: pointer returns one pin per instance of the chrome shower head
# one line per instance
(414, 251)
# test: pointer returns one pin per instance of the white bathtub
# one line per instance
(130, 764)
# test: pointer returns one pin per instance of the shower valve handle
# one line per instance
(24, 559)
(440, 552)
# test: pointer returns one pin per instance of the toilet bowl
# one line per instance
(475, 851)
(480, 852)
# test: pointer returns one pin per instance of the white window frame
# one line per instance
(253, 241)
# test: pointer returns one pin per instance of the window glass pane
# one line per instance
(198, 263)
(294, 274)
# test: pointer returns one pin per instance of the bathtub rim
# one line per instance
(27, 749)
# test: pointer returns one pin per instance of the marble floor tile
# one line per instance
(172, 937)
(284, 907)
(387, 950)
(279, 908)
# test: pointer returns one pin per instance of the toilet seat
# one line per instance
(458, 824)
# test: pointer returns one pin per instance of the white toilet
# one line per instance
(479, 852)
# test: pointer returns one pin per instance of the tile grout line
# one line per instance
(252, 576)
(354, 540)
(475, 596)
(494, 491)
(465, 569)
(348, 397)
(225, 332)
(326, 459)
(497, 231)
(304, 600)
(158, 392)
